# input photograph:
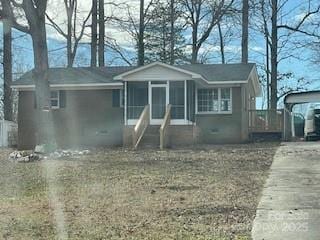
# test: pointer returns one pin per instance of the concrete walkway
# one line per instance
(290, 203)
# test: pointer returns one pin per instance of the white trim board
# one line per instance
(192, 74)
(303, 97)
(173, 122)
(84, 86)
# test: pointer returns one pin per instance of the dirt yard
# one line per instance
(207, 193)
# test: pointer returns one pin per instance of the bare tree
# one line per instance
(101, 41)
(280, 33)
(94, 33)
(135, 25)
(276, 26)
(245, 31)
(141, 35)
(223, 60)
(172, 34)
(34, 13)
(202, 16)
(72, 37)
(274, 55)
(121, 53)
(315, 47)
(266, 36)
(7, 70)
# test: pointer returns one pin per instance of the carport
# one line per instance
(289, 102)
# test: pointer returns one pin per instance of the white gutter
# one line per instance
(74, 86)
(225, 82)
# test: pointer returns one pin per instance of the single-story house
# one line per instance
(109, 105)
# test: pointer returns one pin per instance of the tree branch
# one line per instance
(298, 26)
(55, 26)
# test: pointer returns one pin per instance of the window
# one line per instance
(55, 100)
(225, 100)
(208, 100)
(214, 100)
(176, 99)
(117, 98)
(137, 97)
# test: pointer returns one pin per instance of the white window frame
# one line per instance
(219, 102)
(57, 99)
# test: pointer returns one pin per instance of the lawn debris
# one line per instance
(24, 156)
(69, 153)
(30, 156)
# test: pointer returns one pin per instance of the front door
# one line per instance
(159, 102)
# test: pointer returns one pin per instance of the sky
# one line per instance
(293, 11)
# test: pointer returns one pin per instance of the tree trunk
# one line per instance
(69, 36)
(274, 56)
(45, 130)
(268, 72)
(223, 61)
(141, 35)
(194, 56)
(172, 34)
(35, 13)
(94, 34)
(101, 34)
(7, 70)
(245, 30)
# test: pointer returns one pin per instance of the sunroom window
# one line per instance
(214, 100)
(177, 99)
(137, 98)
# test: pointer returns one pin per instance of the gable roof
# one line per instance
(81, 75)
(221, 72)
(111, 76)
(175, 68)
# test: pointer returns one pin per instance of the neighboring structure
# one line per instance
(8, 133)
(184, 104)
(289, 102)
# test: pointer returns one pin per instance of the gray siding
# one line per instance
(87, 120)
(222, 128)
(90, 120)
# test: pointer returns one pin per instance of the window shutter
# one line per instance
(116, 98)
(62, 98)
(34, 100)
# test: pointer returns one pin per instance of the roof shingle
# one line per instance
(89, 75)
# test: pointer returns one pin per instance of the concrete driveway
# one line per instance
(290, 203)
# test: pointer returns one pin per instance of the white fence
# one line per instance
(8, 133)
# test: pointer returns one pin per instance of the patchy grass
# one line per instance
(210, 192)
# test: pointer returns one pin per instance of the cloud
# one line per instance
(117, 8)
